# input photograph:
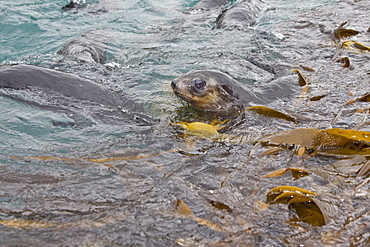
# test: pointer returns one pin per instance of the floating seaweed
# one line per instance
(341, 32)
(335, 141)
(318, 97)
(352, 45)
(266, 111)
(304, 204)
(183, 210)
(296, 173)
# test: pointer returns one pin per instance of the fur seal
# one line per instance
(240, 16)
(90, 47)
(215, 91)
(71, 93)
(209, 4)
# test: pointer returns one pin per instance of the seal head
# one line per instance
(211, 90)
(215, 91)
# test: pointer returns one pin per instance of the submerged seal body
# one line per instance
(71, 93)
(90, 48)
(240, 16)
(215, 91)
(209, 4)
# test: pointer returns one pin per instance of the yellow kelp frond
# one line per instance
(336, 141)
(183, 210)
(266, 111)
(22, 223)
(305, 204)
(275, 194)
(301, 80)
(316, 138)
(352, 45)
(296, 173)
(356, 135)
(341, 32)
(200, 129)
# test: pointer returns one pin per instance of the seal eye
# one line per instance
(199, 84)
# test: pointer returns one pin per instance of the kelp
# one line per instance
(352, 45)
(345, 61)
(301, 151)
(45, 158)
(200, 129)
(355, 135)
(347, 151)
(317, 139)
(266, 111)
(341, 32)
(301, 80)
(309, 138)
(301, 202)
(344, 32)
(308, 212)
(137, 157)
(183, 210)
(99, 221)
(296, 173)
(95, 160)
(364, 170)
(278, 194)
(220, 205)
(210, 131)
(271, 150)
(23, 223)
(365, 98)
(317, 98)
(307, 68)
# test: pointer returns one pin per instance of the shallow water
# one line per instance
(89, 183)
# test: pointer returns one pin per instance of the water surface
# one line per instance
(90, 183)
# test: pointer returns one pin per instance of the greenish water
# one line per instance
(129, 199)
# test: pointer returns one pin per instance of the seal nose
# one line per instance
(173, 85)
